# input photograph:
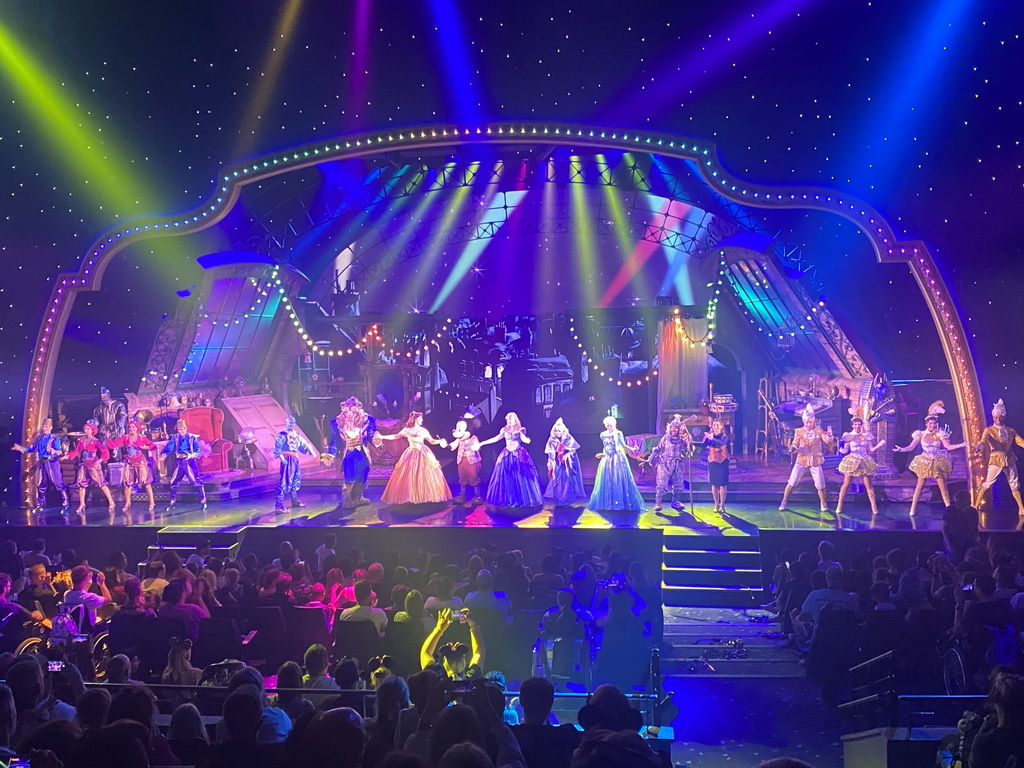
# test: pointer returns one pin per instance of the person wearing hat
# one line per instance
(460, 662)
(996, 448)
(185, 448)
(48, 448)
(858, 444)
(287, 446)
(810, 443)
(91, 453)
(566, 477)
(137, 471)
(667, 458)
(932, 462)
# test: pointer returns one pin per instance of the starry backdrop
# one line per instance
(915, 107)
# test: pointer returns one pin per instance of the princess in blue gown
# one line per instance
(566, 485)
(514, 480)
(614, 488)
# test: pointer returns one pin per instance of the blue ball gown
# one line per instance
(514, 480)
(566, 484)
(614, 488)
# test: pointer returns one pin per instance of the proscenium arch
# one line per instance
(887, 248)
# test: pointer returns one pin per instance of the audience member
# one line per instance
(39, 594)
(137, 702)
(33, 700)
(187, 735)
(82, 579)
(289, 676)
(363, 610)
(93, 709)
(242, 721)
(543, 744)
(486, 598)
(119, 670)
(155, 579)
(333, 739)
(1001, 737)
(960, 526)
(460, 662)
(175, 605)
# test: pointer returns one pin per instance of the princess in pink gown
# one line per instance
(417, 477)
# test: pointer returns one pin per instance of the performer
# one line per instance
(185, 448)
(136, 467)
(857, 445)
(667, 458)
(467, 458)
(112, 417)
(566, 477)
(91, 454)
(417, 477)
(932, 461)
(810, 443)
(717, 441)
(48, 448)
(614, 487)
(352, 430)
(514, 481)
(997, 441)
(287, 446)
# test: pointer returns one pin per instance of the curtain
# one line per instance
(682, 369)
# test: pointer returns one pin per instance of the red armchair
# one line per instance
(208, 423)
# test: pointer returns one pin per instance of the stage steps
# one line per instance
(183, 540)
(722, 571)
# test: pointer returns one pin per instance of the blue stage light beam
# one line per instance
(455, 60)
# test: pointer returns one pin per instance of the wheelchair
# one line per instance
(968, 660)
(88, 649)
(566, 659)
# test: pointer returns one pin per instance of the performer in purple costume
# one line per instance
(185, 448)
(91, 454)
(352, 431)
(614, 487)
(566, 484)
(514, 480)
(287, 446)
(48, 448)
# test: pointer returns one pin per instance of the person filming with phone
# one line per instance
(460, 662)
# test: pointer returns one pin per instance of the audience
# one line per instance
(187, 735)
(543, 744)
(363, 610)
(175, 605)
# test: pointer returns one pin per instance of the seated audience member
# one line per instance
(36, 555)
(187, 735)
(325, 550)
(179, 669)
(827, 556)
(479, 723)
(57, 737)
(543, 745)
(1006, 582)
(119, 670)
(565, 620)
(1001, 737)
(363, 610)
(79, 594)
(137, 703)
(960, 526)
(460, 662)
(135, 602)
(155, 579)
(333, 739)
(39, 590)
(27, 681)
(419, 685)
(93, 709)
(174, 605)
(242, 721)
(289, 676)
(122, 744)
(275, 725)
(486, 598)
(600, 748)
(382, 730)
(831, 594)
(198, 559)
(316, 661)
(609, 709)
(910, 591)
(443, 597)
(16, 611)
(348, 679)
(414, 611)
(233, 592)
(982, 610)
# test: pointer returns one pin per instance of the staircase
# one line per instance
(183, 540)
(721, 571)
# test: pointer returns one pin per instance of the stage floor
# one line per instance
(323, 509)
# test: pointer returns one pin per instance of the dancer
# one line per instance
(48, 449)
(932, 461)
(717, 441)
(514, 481)
(667, 458)
(614, 487)
(417, 477)
(566, 477)
(136, 467)
(287, 446)
(185, 448)
(467, 457)
(997, 441)
(352, 430)
(810, 443)
(91, 454)
(857, 445)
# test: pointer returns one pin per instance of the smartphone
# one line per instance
(55, 666)
(968, 588)
(79, 638)
(460, 686)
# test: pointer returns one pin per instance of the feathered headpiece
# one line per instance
(808, 413)
(937, 408)
(675, 421)
(999, 410)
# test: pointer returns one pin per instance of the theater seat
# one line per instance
(358, 639)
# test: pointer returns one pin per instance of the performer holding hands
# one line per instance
(932, 462)
(48, 448)
(514, 481)
(857, 445)
(467, 459)
(91, 453)
(564, 473)
(135, 444)
(810, 443)
(614, 487)
(417, 478)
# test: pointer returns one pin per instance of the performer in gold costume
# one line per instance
(810, 444)
(996, 448)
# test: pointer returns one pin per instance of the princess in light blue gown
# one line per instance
(614, 488)
(514, 480)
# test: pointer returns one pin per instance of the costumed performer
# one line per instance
(614, 487)
(353, 430)
(514, 480)
(467, 458)
(134, 444)
(667, 458)
(185, 449)
(997, 442)
(565, 484)
(858, 444)
(932, 462)
(287, 446)
(717, 441)
(91, 453)
(810, 444)
(417, 477)
(48, 448)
